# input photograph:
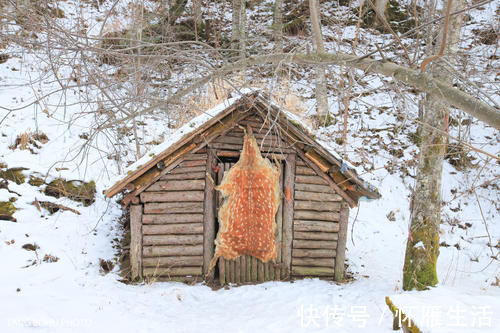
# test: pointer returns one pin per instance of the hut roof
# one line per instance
(197, 133)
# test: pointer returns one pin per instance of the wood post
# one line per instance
(279, 231)
(209, 217)
(136, 241)
(341, 243)
(288, 182)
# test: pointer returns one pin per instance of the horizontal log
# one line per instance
(177, 185)
(188, 169)
(255, 124)
(265, 141)
(182, 279)
(308, 225)
(181, 261)
(256, 118)
(314, 244)
(184, 176)
(173, 271)
(314, 262)
(314, 188)
(306, 171)
(317, 180)
(192, 163)
(173, 250)
(171, 218)
(176, 229)
(196, 156)
(318, 206)
(175, 196)
(318, 235)
(312, 196)
(172, 239)
(312, 271)
(316, 216)
(173, 207)
(236, 154)
(314, 253)
(227, 146)
(238, 133)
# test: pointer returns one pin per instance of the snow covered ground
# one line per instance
(73, 294)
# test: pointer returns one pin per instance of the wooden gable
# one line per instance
(277, 135)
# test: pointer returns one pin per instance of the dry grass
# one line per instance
(215, 94)
(291, 102)
(30, 141)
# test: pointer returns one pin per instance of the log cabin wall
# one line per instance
(316, 224)
(172, 221)
(174, 226)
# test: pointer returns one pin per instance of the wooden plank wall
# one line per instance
(266, 139)
(316, 224)
(172, 222)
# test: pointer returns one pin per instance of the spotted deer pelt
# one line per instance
(251, 195)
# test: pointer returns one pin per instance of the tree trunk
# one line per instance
(243, 29)
(235, 29)
(321, 92)
(138, 22)
(381, 6)
(197, 18)
(176, 10)
(278, 26)
(422, 249)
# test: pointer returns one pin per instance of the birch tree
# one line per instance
(238, 31)
(319, 48)
(278, 26)
(422, 249)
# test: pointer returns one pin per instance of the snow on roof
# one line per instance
(177, 135)
(192, 126)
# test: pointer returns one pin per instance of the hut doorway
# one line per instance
(248, 269)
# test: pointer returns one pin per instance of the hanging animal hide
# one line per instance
(251, 197)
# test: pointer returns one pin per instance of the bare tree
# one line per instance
(319, 48)
(278, 26)
(197, 18)
(422, 249)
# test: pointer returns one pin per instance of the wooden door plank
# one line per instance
(341, 243)
(288, 184)
(237, 270)
(255, 269)
(279, 227)
(222, 271)
(136, 241)
(209, 217)
(243, 273)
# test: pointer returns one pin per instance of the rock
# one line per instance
(36, 181)
(106, 266)
(14, 174)
(30, 247)
(7, 209)
(4, 57)
(73, 189)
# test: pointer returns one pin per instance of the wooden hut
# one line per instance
(173, 203)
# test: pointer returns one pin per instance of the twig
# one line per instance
(443, 42)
